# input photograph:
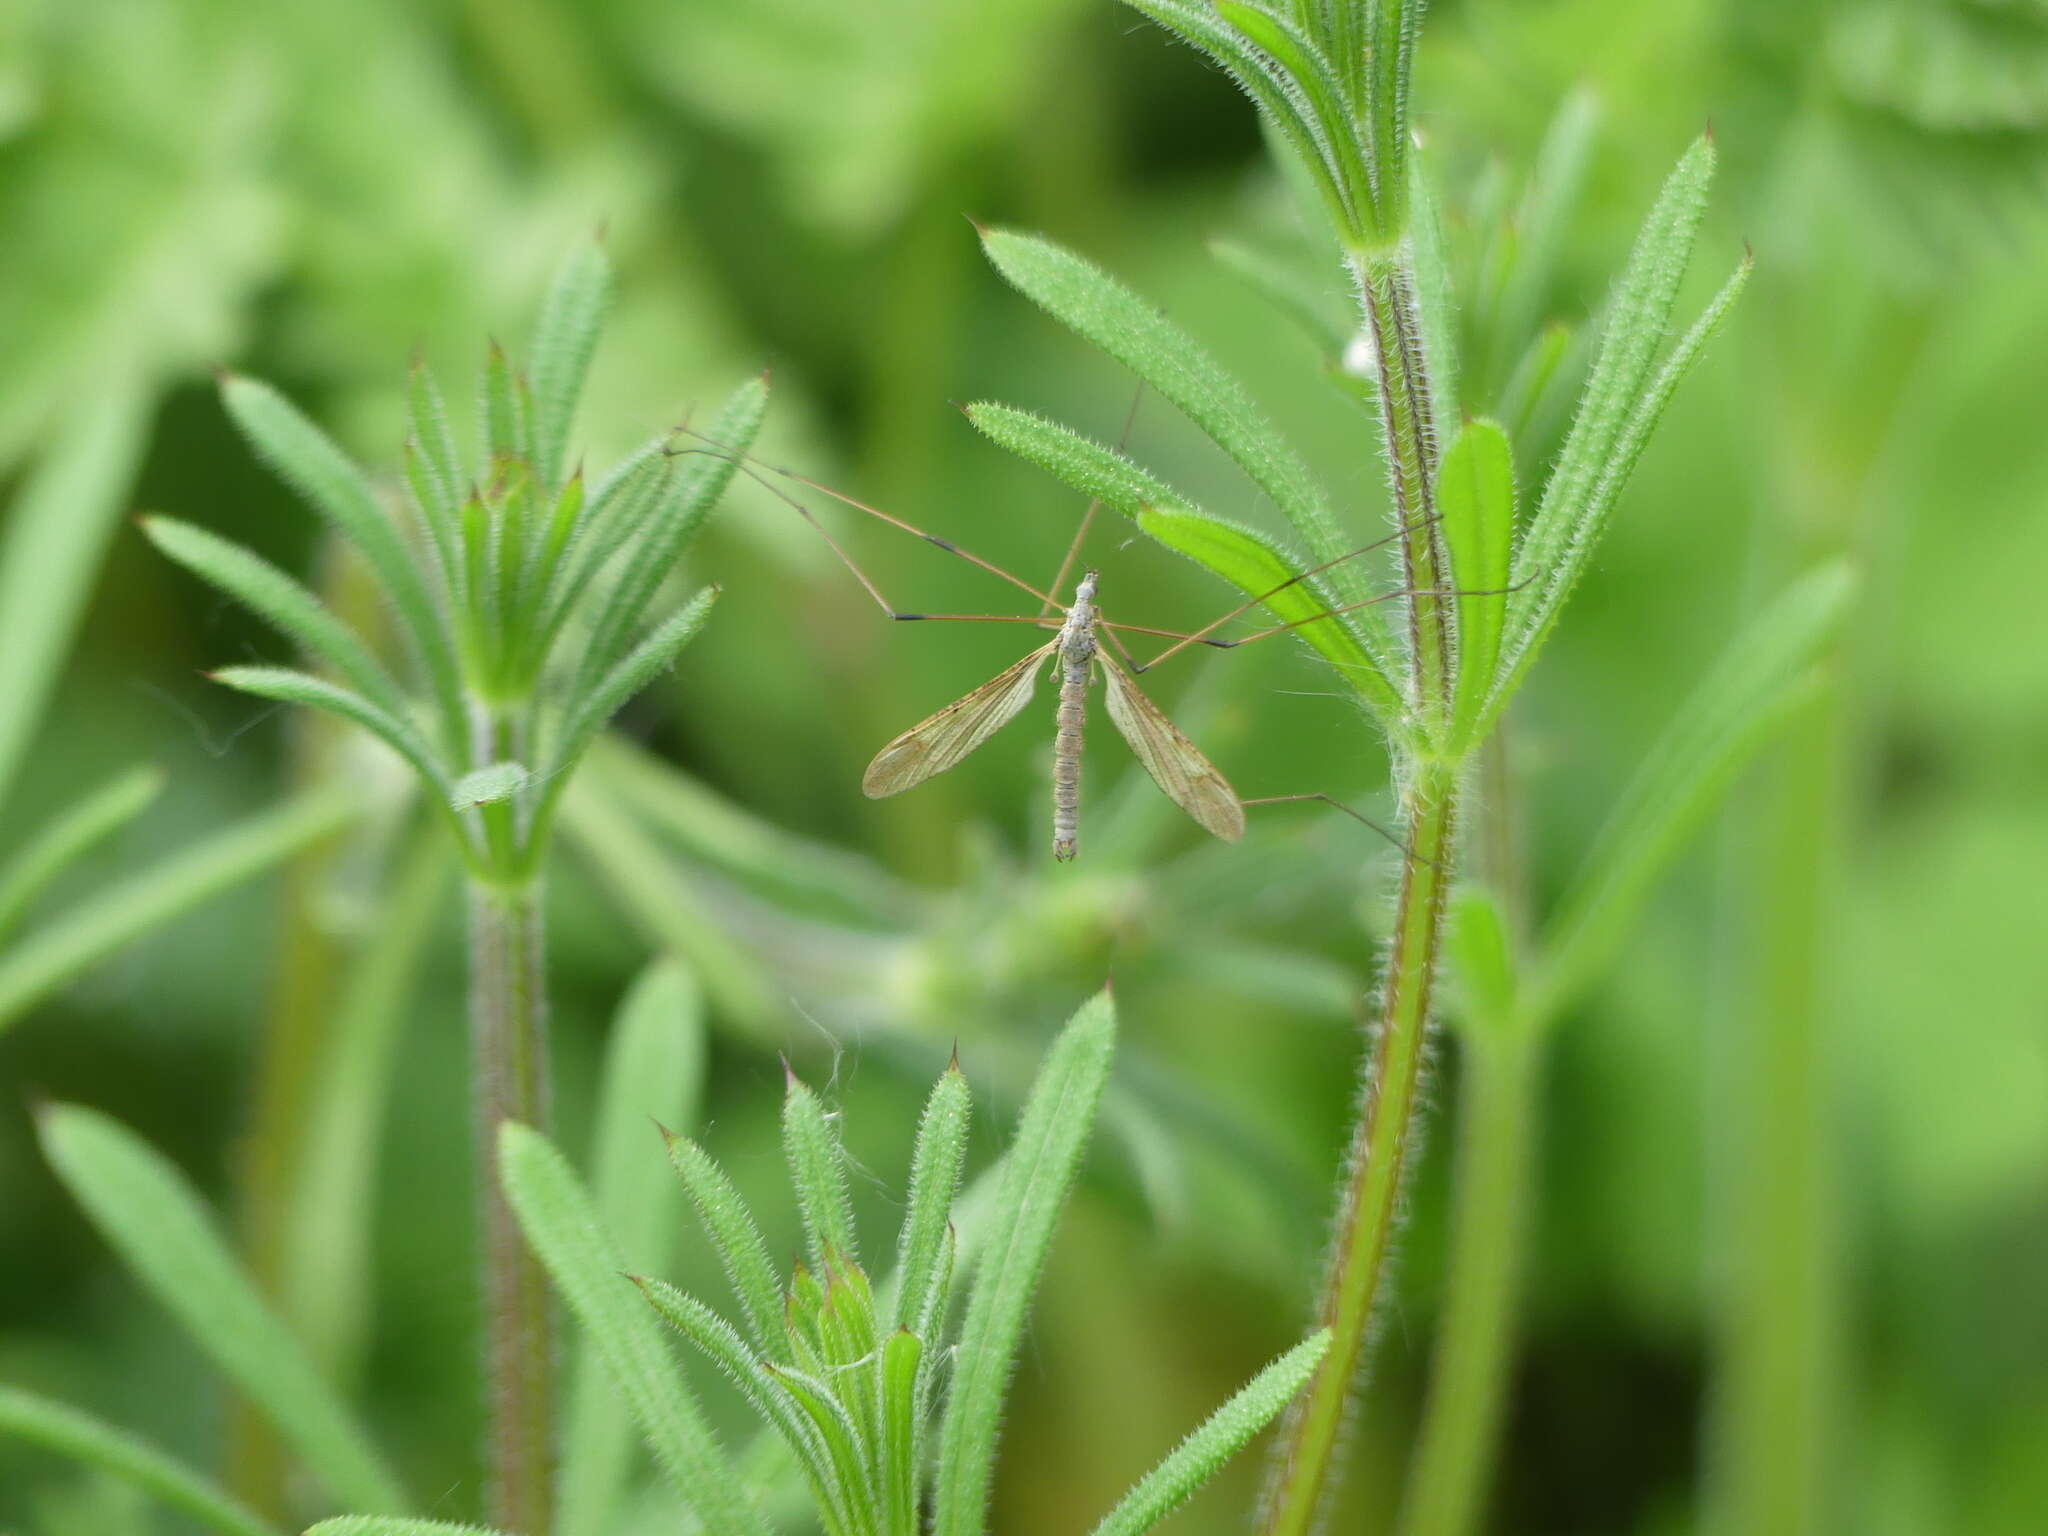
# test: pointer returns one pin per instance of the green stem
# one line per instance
(1302, 1472)
(1387, 296)
(508, 1054)
(1775, 1202)
(1475, 1336)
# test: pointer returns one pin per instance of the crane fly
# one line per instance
(1076, 653)
(1079, 650)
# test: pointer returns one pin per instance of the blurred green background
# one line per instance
(310, 193)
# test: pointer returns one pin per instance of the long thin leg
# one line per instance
(1123, 442)
(753, 467)
(1328, 613)
(1252, 602)
(1336, 804)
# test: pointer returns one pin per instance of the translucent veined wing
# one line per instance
(1189, 779)
(936, 744)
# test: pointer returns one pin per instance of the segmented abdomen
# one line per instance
(1066, 759)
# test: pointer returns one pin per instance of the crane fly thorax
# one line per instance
(1077, 632)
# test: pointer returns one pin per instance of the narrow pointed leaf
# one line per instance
(1038, 1170)
(687, 496)
(1435, 305)
(94, 1443)
(564, 1229)
(765, 1390)
(283, 602)
(1222, 1435)
(1533, 610)
(563, 342)
(1560, 535)
(1250, 563)
(934, 1180)
(1475, 494)
(653, 1076)
(1102, 310)
(1241, 557)
(1482, 963)
(390, 1525)
(55, 533)
(64, 946)
(741, 1250)
(310, 462)
(505, 412)
(631, 673)
(817, 1166)
(289, 686)
(1764, 677)
(75, 832)
(901, 1452)
(146, 1210)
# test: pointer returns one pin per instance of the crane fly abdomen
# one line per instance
(1076, 650)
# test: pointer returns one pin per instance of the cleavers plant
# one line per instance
(1484, 567)
(846, 1374)
(522, 603)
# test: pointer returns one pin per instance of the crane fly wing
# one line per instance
(936, 744)
(1189, 779)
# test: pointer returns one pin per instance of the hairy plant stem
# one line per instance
(508, 1064)
(1497, 1095)
(1501, 1075)
(1378, 1157)
(1386, 290)
(1377, 1162)
(509, 1079)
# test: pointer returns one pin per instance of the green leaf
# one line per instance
(817, 1167)
(688, 494)
(506, 408)
(1475, 493)
(74, 833)
(308, 460)
(1348, 208)
(1240, 556)
(564, 341)
(289, 686)
(145, 1209)
(1222, 1435)
(653, 1076)
(1482, 962)
(55, 535)
(934, 1180)
(66, 945)
(433, 473)
(1102, 310)
(1435, 302)
(1615, 416)
(1248, 562)
(763, 1389)
(279, 600)
(902, 1427)
(1545, 217)
(330, 1248)
(566, 1233)
(83, 1438)
(1037, 1171)
(741, 1250)
(1764, 677)
(1308, 75)
(492, 784)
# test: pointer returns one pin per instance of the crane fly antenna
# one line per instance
(754, 468)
